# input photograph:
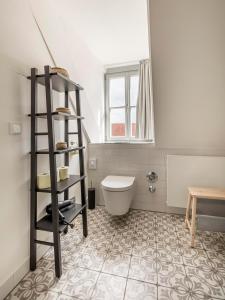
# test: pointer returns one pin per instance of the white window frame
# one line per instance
(126, 72)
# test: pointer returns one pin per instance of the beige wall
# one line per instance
(188, 66)
(22, 48)
(188, 61)
(137, 160)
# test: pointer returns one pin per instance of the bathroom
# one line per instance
(138, 244)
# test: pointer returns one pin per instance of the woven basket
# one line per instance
(61, 146)
(65, 110)
(60, 71)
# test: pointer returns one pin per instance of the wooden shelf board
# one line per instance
(58, 116)
(46, 151)
(63, 185)
(60, 83)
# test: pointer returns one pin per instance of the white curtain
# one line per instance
(144, 122)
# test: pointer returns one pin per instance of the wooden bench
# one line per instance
(195, 193)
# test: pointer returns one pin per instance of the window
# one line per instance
(121, 99)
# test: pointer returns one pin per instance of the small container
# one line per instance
(62, 71)
(64, 110)
(61, 146)
(91, 198)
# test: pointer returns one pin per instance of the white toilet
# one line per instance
(118, 193)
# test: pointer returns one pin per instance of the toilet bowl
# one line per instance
(118, 193)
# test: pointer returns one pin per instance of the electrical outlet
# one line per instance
(15, 128)
(92, 164)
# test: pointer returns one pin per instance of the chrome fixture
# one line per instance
(152, 178)
(152, 189)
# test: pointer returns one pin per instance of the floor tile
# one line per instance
(31, 294)
(100, 245)
(165, 293)
(222, 236)
(109, 287)
(217, 256)
(165, 228)
(166, 238)
(171, 275)
(144, 248)
(169, 245)
(122, 244)
(180, 227)
(184, 238)
(72, 259)
(138, 290)
(143, 269)
(73, 239)
(92, 259)
(70, 254)
(80, 283)
(150, 249)
(209, 235)
(172, 256)
(65, 297)
(208, 281)
(116, 264)
(216, 245)
(36, 284)
(146, 233)
(52, 296)
(194, 257)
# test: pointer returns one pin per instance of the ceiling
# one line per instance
(115, 31)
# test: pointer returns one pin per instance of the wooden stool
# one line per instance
(195, 193)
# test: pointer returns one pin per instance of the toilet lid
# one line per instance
(118, 183)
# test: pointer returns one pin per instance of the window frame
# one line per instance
(127, 73)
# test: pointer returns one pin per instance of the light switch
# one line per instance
(92, 164)
(15, 128)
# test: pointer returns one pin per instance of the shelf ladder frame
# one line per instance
(53, 168)
(81, 160)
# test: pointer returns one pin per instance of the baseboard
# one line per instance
(211, 223)
(11, 282)
(169, 210)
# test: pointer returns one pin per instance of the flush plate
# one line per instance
(92, 164)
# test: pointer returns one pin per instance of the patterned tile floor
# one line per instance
(143, 255)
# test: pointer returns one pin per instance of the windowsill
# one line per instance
(128, 142)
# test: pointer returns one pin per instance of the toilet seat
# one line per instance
(118, 183)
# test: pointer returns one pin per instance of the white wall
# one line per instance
(116, 31)
(188, 60)
(22, 48)
(71, 52)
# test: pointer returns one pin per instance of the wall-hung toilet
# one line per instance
(118, 193)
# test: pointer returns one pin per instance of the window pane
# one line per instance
(133, 121)
(134, 82)
(117, 123)
(117, 92)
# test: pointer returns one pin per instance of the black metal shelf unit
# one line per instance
(57, 82)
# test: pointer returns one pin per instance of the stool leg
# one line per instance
(187, 210)
(193, 220)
